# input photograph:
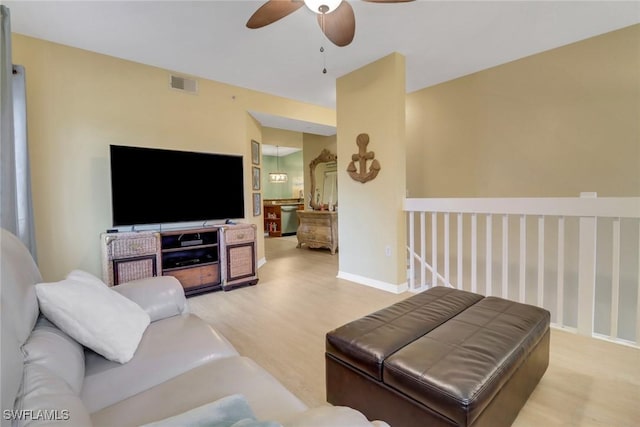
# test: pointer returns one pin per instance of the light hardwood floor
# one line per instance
(281, 324)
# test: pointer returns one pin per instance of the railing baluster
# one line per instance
(586, 274)
(447, 254)
(541, 261)
(523, 258)
(459, 249)
(474, 252)
(505, 256)
(423, 251)
(412, 251)
(488, 255)
(434, 248)
(560, 281)
(615, 278)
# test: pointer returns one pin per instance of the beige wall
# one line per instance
(372, 234)
(254, 133)
(281, 137)
(553, 124)
(80, 102)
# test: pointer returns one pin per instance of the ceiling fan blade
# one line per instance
(388, 1)
(272, 11)
(340, 25)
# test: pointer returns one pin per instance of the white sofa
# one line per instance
(181, 363)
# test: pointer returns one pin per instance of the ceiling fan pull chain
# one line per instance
(324, 60)
(324, 55)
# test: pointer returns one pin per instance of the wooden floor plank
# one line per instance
(281, 323)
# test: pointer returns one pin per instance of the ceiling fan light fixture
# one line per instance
(322, 6)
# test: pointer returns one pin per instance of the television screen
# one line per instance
(154, 186)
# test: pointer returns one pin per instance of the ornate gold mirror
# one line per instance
(323, 173)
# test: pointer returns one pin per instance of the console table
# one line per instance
(318, 229)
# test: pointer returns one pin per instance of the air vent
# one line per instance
(184, 84)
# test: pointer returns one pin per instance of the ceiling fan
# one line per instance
(335, 17)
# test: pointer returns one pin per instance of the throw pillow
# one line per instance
(85, 277)
(95, 316)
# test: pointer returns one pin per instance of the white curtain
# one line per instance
(16, 211)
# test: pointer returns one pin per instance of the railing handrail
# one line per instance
(613, 207)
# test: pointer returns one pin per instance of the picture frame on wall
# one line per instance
(255, 178)
(255, 152)
(257, 204)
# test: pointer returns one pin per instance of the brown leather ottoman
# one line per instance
(442, 357)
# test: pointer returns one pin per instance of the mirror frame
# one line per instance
(325, 157)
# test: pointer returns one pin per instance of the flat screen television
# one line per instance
(155, 186)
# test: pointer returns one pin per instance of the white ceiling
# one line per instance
(274, 150)
(441, 40)
(286, 123)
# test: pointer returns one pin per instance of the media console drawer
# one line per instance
(195, 277)
(239, 235)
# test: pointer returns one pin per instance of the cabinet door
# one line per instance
(127, 269)
(240, 261)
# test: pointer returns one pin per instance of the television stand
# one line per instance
(203, 259)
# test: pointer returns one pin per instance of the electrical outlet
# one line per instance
(387, 250)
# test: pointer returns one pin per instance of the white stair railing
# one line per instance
(577, 257)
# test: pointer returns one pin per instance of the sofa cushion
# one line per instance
(268, 398)
(331, 416)
(47, 399)
(48, 346)
(18, 273)
(168, 348)
(229, 411)
(159, 296)
(459, 367)
(365, 343)
(95, 316)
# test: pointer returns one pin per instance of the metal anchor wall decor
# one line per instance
(362, 156)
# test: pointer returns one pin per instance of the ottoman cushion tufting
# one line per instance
(444, 357)
(365, 343)
(457, 368)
